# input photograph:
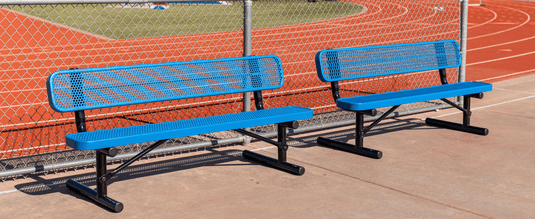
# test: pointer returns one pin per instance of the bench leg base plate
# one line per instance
(92, 194)
(456, 126)
(368, 152)
(268, 161)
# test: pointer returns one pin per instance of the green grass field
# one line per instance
(183, 19)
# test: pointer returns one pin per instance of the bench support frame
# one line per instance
(360, 131)
(249, 78)
(100, 195)
(282, 147)
(465, 126)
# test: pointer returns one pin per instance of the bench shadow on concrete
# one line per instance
(43, 186)
(347, 133)
(218, 157)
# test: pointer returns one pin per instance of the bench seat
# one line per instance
(374, 101)
(335, 65)
(79, 90)
(153, 132)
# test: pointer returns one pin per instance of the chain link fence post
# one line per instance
(463, 38)
(43, 36)
(247, 20)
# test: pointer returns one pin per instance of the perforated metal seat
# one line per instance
(334, 65)
(78, 90)
(160, 131)
(373, 101)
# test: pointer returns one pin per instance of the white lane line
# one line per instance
(499, 59)
(494, 18)
(507, 75)
(471, 38)
(483, 107)
(61, 25)
(320, 23)
(501, 44)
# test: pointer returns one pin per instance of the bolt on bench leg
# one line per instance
(465, 127)
(358, 148)
(100, 195)
(282, 148)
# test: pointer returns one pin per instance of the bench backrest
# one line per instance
(93, 88)
(362, 62)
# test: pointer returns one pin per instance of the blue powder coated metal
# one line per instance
(362, 62)
(373, 101)
(176, 129)
(93, 88)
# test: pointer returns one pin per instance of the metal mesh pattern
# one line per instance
(354, 63)
(95, 88)
(160, 131)
(375, 23)
(39, 39)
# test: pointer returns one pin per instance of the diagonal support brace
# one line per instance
(391, 110)
(114, 172)
(467, 111)
(465, 126)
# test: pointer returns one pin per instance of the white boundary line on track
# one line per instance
(494, 18)
(406, 11)
(499, 59)
(62, 26)
(502, 31)
(320, 23)
(122, 41)
(501, 44)
(508, 75)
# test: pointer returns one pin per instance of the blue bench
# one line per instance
(334, 65)
(77, 90)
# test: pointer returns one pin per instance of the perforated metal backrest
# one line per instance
(362, 62)
(93, 88)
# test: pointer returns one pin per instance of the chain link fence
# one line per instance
(39, 38)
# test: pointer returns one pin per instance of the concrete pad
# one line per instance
(426, 172)
(227, 187)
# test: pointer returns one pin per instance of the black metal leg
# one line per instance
(358, 148)
(269, 161)
(282, 148)
(92, 194)
(466, 114)
(100, 195)
(359, 130)
(367, 152)
(102, 185)
(465, 127)
(456, 126)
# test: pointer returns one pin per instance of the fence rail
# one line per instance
(48, 2)
(41, 37)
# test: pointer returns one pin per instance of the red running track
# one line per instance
(499, 34)
(501, 40)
